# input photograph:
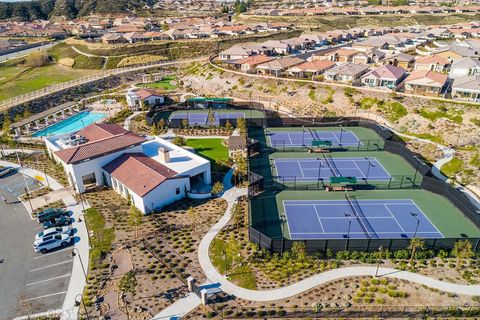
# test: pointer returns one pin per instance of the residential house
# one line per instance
(314, 39)
(236, 53)
(403, 60)
(431, 63)
(455, 52)
(277, 47)
(386, 76)
(249, 64)
(278, 66)
(367, 57)
(371, 43)
(237, 144)
(137, 98)
(346, 73)
(466, 88)
(465, 67)
(310, 69)
(426, 82)
(113, 38)
(341, 55)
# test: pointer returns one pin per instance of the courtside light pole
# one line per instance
(348, 232)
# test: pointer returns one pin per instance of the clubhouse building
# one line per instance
(150, 172)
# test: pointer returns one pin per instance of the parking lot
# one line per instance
(31, 282)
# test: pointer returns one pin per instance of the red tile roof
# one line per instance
(428, 76)
(146, 93)
(97, 148)
(432, 59)
(138, 172)
(254, 60)
(99, 131)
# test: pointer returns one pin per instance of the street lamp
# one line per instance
(368, 168)
(320, 165)
(81, 262)
(348, 231)
(341, 134)
(303, 135)
(80, 301)
(415, 215)
(379, 260)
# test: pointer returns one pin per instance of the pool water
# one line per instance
(74, 123)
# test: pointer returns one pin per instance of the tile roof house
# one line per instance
(456, 52)
(400, 59)
(426, 82)
(151, 173)
(466, 88)
(387, 76)
(249, 64)
(150, 97)
(431, 63)
(465, 67)
(347, 73)
(369, 56)
(278, 66)
(235, 53)
(338, 55)
(310, 68)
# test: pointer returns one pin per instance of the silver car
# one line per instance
(53, 231)
(51, 242)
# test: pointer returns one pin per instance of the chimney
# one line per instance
(164, 155)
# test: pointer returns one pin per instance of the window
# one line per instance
(177, 191)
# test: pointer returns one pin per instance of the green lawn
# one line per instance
(19, 80)
(213, 149)
(164, 84)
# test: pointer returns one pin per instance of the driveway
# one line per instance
(31, 282)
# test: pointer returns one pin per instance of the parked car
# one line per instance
(51, 242)
(57, 222)
(53, 231)
(51, 213)
(5, 171)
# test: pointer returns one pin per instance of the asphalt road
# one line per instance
(30, 282)
(25, 52)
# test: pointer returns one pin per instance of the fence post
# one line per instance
(401, 182)
(476, 245)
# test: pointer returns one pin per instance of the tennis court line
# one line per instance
(301, 170)
(285, 212)
(318, 217)
(427, 218)
(363, 233)
(363, 176)
(401, 227)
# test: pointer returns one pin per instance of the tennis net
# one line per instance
(364, 228)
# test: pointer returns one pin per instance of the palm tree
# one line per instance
(415, 243)
(462, 250)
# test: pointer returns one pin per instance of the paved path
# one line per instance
(179, 308)
(126, 123)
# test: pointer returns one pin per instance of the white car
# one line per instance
(53, 231)
(51, 242)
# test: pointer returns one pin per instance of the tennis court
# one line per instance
(313, 169)
(305, 137)
(357, 219)
(202, 118)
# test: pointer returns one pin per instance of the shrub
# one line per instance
(140, 59)
(36, 59)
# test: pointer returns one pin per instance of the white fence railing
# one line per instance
(14, 101)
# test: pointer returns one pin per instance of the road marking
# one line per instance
(45, 296)
(42, 281)
(49, 254)
(52, 265)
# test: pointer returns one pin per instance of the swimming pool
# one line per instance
(74, 123)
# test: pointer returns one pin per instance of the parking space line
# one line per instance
(51, 265)
(45, 296)
(49, 254)
(42, 281)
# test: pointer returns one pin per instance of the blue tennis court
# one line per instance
(201, 119)
(375, 219)
(312, 169)
(305, 137)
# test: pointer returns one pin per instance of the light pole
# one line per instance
(80, 301)
(319, 172)
(348, 231)
(379, 260)
(81, 262)
(341, 134)
(415, 215)
(303, 135)
(225, 257)
(368, 168)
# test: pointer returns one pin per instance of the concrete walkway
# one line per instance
(81, 243)
(179, 308)
(126, 123)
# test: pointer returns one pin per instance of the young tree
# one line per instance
(415, 244)
(161, 123)
(179, 141)
(299, 251)
(6, 123)
(217, 187)
(135, 219)
(128, 284)
(185, 123)
(154, 130)
(237, 215)
(240, 163)
(211, 118)
(228, 126)
(462, 250)
(242, 126)
(26, 113)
